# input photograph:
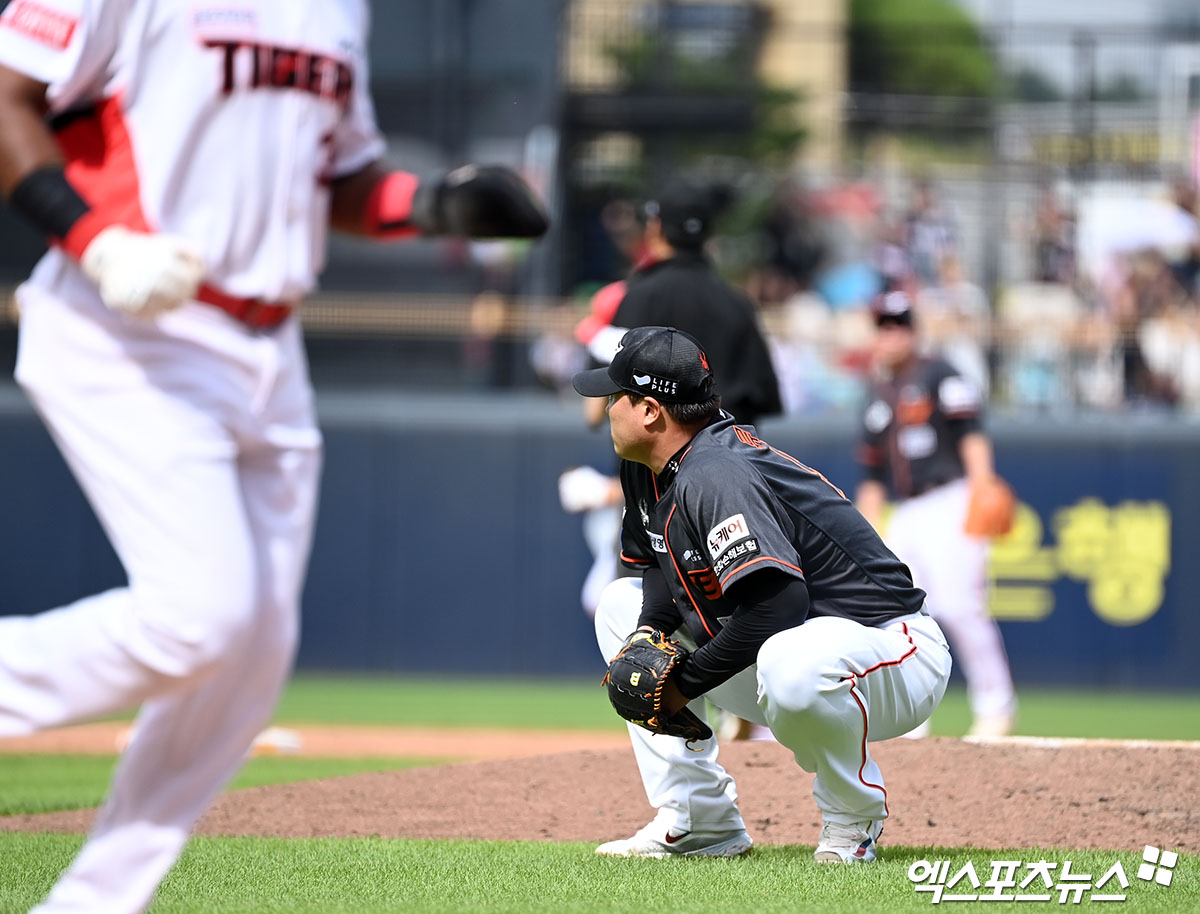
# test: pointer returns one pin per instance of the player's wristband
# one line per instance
(46, 198)
(390, 206)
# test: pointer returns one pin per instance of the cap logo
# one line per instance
(656, 385)
(704, 360)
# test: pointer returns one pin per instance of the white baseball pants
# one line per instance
(194, 440)
(826, 689)
(926, 532)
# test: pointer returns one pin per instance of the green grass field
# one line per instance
(372, 876)
(449, 877)
(582, 705)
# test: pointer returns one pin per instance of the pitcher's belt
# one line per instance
(253, 312)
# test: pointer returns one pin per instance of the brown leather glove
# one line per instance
(635, 680)
(991, 509)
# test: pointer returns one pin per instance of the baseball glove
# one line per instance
(635, 680)
(991, 509)
(479, 201)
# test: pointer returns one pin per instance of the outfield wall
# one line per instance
(441, 545)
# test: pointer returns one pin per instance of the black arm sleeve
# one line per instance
(768, 602)
(658, 606)
(48, 201)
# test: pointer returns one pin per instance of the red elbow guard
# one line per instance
(390, 206)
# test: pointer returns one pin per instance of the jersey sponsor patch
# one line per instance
(916, 441)
(958, 396)
(736, 551)
(877, 417)
(40, 23)
(726, 533)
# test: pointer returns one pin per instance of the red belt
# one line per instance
(251, 311)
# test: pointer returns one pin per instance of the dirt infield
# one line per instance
(941, 792)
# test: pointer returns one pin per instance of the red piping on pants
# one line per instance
(863, 709)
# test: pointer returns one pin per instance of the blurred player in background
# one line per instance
(924, 442)
(185, 162)
(675, 284)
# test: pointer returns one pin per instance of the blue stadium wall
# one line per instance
(441, 545)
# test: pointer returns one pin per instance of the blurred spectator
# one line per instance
(1150, 312)
(1186, 266)
(1036, 325)
(1053, 239)
(930, 232)
(795, 244)
(620, 219)
(956, 321)
(489, 353)
(891, 254)
(819, 355)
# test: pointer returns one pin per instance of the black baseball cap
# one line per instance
(687, 209)
(659, 362)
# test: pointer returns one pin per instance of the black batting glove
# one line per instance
(479, 201)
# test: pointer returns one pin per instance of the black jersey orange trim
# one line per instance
(914, 411)
(807, 469)
(746, 438)
(761, 558)
(682, 579)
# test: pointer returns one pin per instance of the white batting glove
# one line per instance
(142, 274)
(582, 489)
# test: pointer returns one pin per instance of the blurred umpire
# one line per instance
(674, 284)
(923, 441)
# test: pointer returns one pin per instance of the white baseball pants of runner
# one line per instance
(926, 532)
(826, 689)
(194, 440)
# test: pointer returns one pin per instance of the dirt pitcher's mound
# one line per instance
(940, 791)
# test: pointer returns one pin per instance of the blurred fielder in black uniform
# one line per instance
(803, 620)
(923, 440)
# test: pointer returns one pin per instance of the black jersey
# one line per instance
(912, 426)
(686, 292)
(729, 504)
